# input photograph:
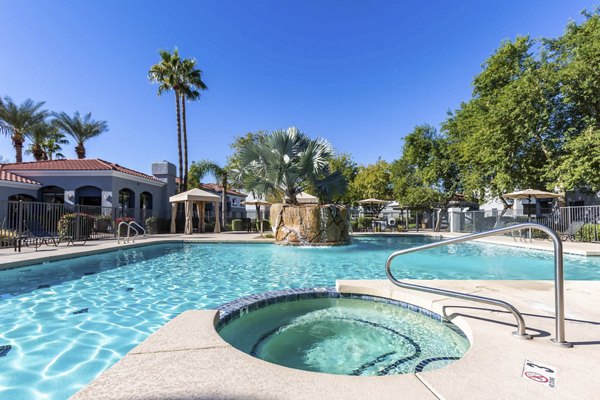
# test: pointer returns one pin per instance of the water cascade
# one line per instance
(310, 224)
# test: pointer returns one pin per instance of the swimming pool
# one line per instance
(67, 321)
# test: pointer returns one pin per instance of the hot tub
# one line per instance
(322, 330)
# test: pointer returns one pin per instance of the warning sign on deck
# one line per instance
(539, 373)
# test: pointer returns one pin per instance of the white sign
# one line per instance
(540, 373)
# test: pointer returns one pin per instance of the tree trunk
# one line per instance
(223, 203)
(80, 150)
(37, 152)
(185, 146)
(18, 144)
(179, 140)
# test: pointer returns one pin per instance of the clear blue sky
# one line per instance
(361, 74)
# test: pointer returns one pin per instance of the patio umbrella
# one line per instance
(531, 194)
(257, 203)
(376, 204)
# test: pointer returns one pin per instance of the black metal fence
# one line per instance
(31, 220)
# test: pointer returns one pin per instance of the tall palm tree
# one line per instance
(38, 135)
(16, 120)
(53, 145)
(192, 84)
(204, 167)
(287, 162)
(168, 75)
(80, 128)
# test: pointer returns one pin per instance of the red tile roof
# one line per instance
(218, 188)
(92, 164)
(9, 176)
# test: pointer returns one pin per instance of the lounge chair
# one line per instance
(35, 231)
(570, 233)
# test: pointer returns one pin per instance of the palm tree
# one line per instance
(53, 145)
(80, 128)
(287, 162)
(202, 168)
(167, 74)
(192, 84)
(38, 135)
(16, 120)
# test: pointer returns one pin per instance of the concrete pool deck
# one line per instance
(187, 359)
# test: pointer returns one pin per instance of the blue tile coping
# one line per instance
(240, 307)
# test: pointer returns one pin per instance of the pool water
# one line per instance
(346, 336)
(69, 320)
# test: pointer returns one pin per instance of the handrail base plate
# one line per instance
(562, 344)
(524, 337)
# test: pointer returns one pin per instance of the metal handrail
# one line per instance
(521, 328)
(138, 226)
(119, 232)
(137, 233)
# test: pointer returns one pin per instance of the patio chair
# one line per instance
(570, 233)
(35, 231)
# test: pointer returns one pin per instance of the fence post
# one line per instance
(77, 222)
(20, 216)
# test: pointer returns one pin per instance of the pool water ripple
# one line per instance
(55, 352)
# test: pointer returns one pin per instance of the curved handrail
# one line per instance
(119, 232)
(135, 230)
(558, 278)
(135, 224)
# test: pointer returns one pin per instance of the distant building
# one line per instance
(89, 182)
(234, 206)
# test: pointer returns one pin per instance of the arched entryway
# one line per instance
(53, 194)
(88, 196)
(145, 206)
(21, 197)
(126, 202)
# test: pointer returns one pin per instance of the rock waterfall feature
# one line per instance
(310, 224)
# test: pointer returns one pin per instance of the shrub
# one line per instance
(209, 227)
(151, 225)
(365, 222)
(268, 235)
(237, 225)
(354, 224)
(123, 229)
(103, 222)
(68, 224)
(588, 233)
(266, 225)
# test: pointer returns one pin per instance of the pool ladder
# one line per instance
(132, 225)
(559, 299)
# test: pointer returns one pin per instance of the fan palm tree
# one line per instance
(287, 162)
(204, 167)
(16, 120)
(192, 84)
(53, 145)
(80, 128)
(38, 135)
(168, 75)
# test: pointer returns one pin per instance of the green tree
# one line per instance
(16, 120)
(343, 163)
(509, 135)
(52, 146)
(427, 175)
(191, 86)
(80, 128)
(200, 169)
(286, 163)
(167, 74)
(373, 181)
(38, 135)
(580, 167)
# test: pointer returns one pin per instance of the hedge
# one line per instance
(588, 233)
